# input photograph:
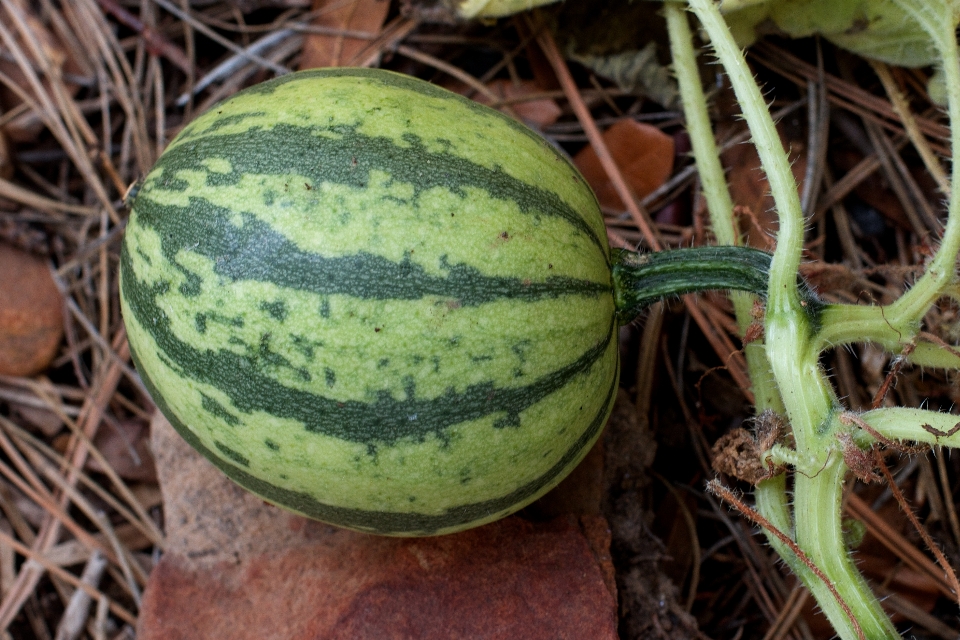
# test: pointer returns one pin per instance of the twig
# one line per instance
(893, 540)
(233, 63)
(75, 616)
(559, 64)
(902, 108)
(715, 487)
(451, 70)
(64, 575)
(927, 540)
(789, 613)
(216, 37)
(157, 43)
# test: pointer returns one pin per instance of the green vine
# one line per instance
(806, 529)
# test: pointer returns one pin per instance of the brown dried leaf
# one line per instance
(338, 50)
(751, 191)
(31, 319)
(45, 420)
(124, 446)
(643, 153)
(6, 157)
(536, 113)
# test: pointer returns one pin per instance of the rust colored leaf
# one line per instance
(31, 320)
(751, 191)
(6, 157)
(643, 153)
(334, 49)
(537, 113)
(124, 446)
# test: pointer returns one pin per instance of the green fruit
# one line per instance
(373, 302)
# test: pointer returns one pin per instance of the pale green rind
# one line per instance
(541, 340)
(491, 233)
(442, 121)
(428, 476)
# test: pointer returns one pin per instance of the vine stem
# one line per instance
(640, 279)
(897, 324)
(786, 261)
(715, 487)
(715, 192)
(792, 351)
(936, 18)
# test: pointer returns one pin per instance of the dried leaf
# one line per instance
(538, 113)
(45, 420)
(638, 72)
(125, 448)
(643, 153)
(6, 157)
(31, 320)
(338, 50)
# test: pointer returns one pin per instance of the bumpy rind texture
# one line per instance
(372, 301)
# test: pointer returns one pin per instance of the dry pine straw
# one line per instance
(94, 90)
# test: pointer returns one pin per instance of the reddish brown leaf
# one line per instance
(125, 448)
(6, 157)
(45, 420)
(365, 16)
(751, 191)
(31, 320)
(643, 153)
(538, 113)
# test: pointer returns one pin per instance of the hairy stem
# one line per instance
(716, 193)
(792, 351)
(897, 324)
(640, 279)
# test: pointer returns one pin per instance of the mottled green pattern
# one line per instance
(403, 522)
(372, 301)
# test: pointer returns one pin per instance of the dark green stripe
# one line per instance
(233, 455)
(348, 159)
(391, 80)
(380, 521)
(255, 251)
(246, 380)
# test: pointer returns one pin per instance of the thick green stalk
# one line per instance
(808, 398)
(715, 192)
(817, 507)
(897, 324)
(936, 17)
(640, 279)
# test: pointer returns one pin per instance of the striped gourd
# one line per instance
(381, 305)
(372, 301)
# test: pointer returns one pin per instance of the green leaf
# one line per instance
(875, 29)
(496, 8)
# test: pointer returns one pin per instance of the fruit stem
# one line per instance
(640, 279)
